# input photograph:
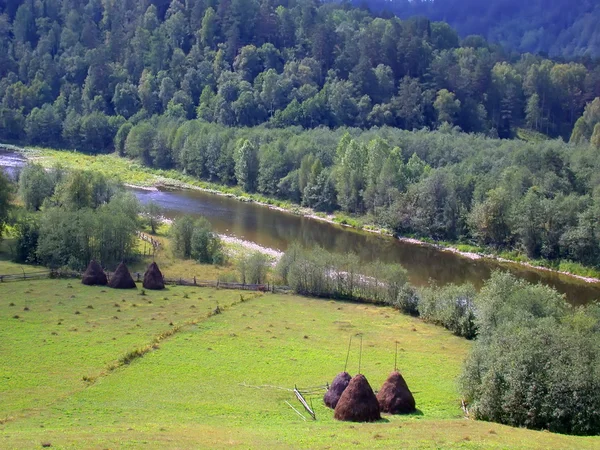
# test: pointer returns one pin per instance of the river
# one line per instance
(275, 229)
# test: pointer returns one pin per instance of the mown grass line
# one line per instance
(137, 353)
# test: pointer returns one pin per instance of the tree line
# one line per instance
(77, 73)
(539, 198)
(70, 218)
(535, 27)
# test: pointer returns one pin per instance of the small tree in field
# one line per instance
(154, 214)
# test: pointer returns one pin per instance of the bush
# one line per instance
(27, 232)
(450, 306)
(542, 376)
(535, 362)
(407, 301)
(254, 268)
(194, 238)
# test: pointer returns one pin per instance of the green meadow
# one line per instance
(91, 367)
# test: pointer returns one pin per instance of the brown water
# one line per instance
(276, 229)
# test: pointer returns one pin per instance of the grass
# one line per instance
(83, 384)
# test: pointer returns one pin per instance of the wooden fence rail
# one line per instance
(138, 276)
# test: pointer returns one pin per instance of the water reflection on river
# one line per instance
(275, 229)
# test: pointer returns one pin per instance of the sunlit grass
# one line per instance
(188, 391)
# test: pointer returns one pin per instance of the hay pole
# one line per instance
(303, 401)
(396, 359)
(297, 412)
(360, 354)
(348, 353)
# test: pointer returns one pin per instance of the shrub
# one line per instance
(535, 362)
(254, 268)
(543, 376)
(450, 306)
(407, 301)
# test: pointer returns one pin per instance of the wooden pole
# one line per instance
(360, 354)
(396, 358)
(348, 354)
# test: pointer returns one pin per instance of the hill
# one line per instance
(560, 28)
(73, 73)
(80, 385)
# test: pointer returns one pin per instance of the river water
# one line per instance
(277, 230)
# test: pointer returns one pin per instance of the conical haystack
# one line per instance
(338, 386)
(358, 402)
(153, 278)
(94, 275)
(122, 279)
(395, 397)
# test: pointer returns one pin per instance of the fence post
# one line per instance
(194, 280)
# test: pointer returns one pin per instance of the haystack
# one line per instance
(358, 402)
(94, 275)
(395, 397)
(153, 278)
(338, 386)
(122, 279)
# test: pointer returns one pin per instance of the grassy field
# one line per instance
(68, 378)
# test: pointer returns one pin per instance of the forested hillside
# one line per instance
(559, 27)
(74, 71)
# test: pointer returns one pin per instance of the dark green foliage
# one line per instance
(194, 239)
(535, 362)
(68, 68)
(27, 232)
(532, 27)
(206, 245)
(181, 234)
(539, 198)
(451, 307)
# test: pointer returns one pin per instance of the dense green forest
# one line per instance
(72, 72)
(559, 27)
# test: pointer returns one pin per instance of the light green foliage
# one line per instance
(194, 239)
(595, 139)
(319, 273)
(72, 237)
(505, 299)
(246, 165)
(35, 186)
(253, 268)
(153, 213)
(5, 198)
(447, 106)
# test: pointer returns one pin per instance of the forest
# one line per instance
(72, 72)
(560, 28)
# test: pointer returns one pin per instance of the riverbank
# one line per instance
(138, 176)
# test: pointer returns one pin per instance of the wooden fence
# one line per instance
(43, 274)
